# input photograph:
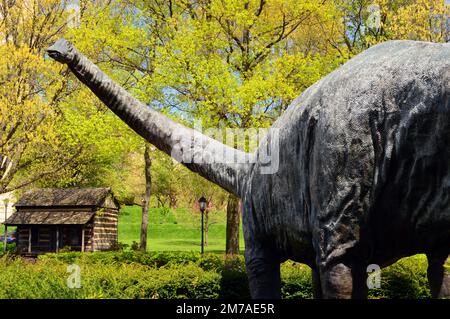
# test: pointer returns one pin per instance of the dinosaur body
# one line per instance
(363, 174)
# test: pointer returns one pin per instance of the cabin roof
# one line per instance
(60, 197)
(49, 218)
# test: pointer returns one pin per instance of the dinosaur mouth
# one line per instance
(56, 55)
(60, 51)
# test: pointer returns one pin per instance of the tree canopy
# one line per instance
(226, 64)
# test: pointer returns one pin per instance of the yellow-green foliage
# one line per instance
(296, 281)
(177, 275)
(420, 20)
(404, 279)
(47, 279)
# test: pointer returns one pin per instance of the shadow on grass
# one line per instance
(181, 243)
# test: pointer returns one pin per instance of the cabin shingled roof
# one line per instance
(46, 197)
(49, 218)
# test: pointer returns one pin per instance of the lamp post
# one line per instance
(5, 235)
(202, 204)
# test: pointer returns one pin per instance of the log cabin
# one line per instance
(76, 219)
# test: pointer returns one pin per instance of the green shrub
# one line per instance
(10, 249)
(47, 279)
(296, 281)
(137, 281)
(210, 262)
(154, 259)
(406, 279)
(130, 274)
(135, 246)
(234, 281)
(67, 258)
(119, 246)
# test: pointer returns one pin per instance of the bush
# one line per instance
(47, 279)
(135, 246)
(234, 281)
(10, 249)
(296, 281)
(119, 246)
(406, 279)
(210, 262)
(129, 274)
(137, 281)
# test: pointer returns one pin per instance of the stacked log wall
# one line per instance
(105, 233)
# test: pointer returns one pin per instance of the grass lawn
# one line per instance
(174, 229)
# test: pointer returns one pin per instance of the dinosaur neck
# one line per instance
(198, 152)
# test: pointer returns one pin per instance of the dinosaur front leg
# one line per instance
(317, 286)
(344, 280)
(438, 278)
(263, 271)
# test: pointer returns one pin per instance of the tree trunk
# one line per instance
(165, 134)
(146, 203)
(206, 227)
(233, 220)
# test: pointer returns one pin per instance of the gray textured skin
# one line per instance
(364, 173)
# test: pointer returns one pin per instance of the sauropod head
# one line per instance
(62, 51)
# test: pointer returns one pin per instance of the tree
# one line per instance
(215, 197)
(426, 20)
(208, 210)
(167, 179)
(52, 130)
(225, 63)
(231, 64)
(237, 64)
(146, 202)
(30, 91)
(363, 23)
(233, 222)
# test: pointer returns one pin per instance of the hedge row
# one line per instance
(176, 275)
(48, 279)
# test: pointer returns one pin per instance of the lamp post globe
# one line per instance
(202, 203)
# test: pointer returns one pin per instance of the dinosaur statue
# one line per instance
(363, 176)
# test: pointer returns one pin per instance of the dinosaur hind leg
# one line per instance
(317, 286)
(263, 272)
(438, 277)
